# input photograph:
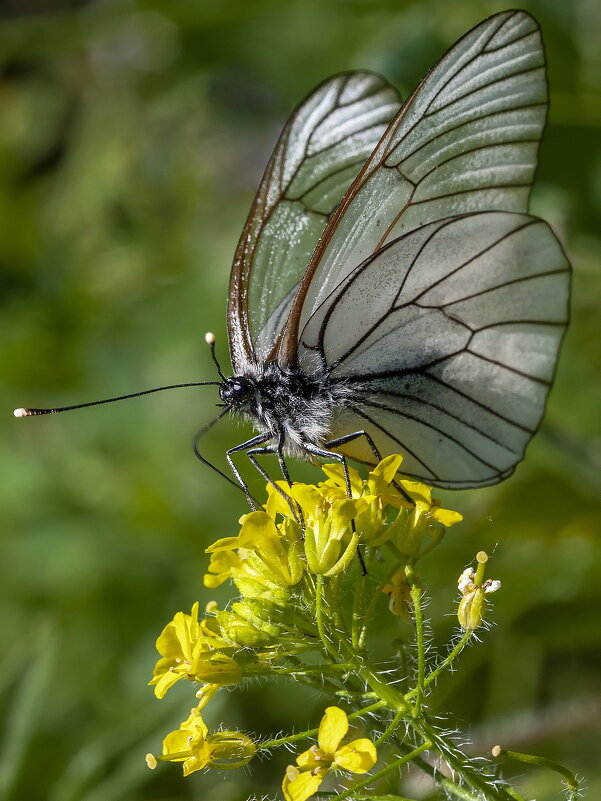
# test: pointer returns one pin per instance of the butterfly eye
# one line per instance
(236, 390)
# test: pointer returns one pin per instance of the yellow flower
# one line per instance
(330, 753)
(278, 548)
(267, 556)
(372, 522)
(192, 745)
(330, 541)
(176, 645)
(188, 650)
(423, 522)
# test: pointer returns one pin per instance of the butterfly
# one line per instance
(390, 292)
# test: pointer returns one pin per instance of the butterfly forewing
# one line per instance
(322, 148)
(466, 140)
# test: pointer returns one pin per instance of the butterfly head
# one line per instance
(236, 391)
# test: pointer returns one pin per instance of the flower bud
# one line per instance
(230, 749)
(472, 606)
(217, 669)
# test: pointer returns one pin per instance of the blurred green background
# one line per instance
(133, 136)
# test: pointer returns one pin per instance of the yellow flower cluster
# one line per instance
(276, 561)
(270, 558)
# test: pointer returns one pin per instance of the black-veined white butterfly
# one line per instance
(390, 292)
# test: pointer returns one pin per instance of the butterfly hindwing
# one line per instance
(449, 336)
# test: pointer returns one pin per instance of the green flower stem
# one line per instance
(462, 765)
(354, 697)
(448, 784)
(367, 710)
(371, 797)
(332, 595)
(291, 738)
(319, 616)
(513, 794)
(416, 597)
(392, 699)
(358, 603)
(322, 683)
(453, 654)
(391, 728)
(369, 612)
(571, 780)
(398, 763)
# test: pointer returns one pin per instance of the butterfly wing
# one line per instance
(324, 144)
(452, 364)
(431, 290)
(466, 140)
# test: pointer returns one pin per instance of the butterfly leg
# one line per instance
(277, 449)
(333, 443)
(322, 453)
(245, 446)
(205, 461)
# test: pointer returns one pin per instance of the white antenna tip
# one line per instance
(21, 413)
(210, 338)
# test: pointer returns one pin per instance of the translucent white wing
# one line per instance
(466, 140)
(449, 336)
(322, 148)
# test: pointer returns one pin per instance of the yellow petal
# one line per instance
(335, 473)
(358, 756)
(195, 724)
(418, 491)
(333, 727)
(446, 516)
(257, 527)
(197, 761)
(301, 787)
(312, 758)
(167, 643)
(166, 680)
(342, 512)
(382, 475)
(177, 742)
(309, 499)
(224, 544)
(276, 503)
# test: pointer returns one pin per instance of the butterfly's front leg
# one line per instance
(278, 450)
(246, 446)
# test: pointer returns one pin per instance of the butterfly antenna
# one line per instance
(32, 412)
(210, 340)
